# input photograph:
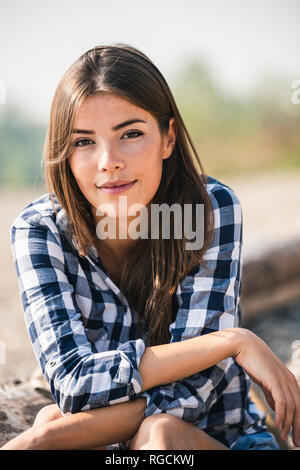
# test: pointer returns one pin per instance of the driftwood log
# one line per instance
(19, 404)
(271, 280)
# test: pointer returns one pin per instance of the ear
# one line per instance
(169, 139)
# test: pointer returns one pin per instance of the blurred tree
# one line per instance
(21, 145)
(234, 135)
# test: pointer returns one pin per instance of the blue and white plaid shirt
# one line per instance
(84, 333)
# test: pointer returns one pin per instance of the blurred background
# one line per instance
(234, 69)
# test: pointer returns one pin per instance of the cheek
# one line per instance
(155, 177)
(80, 171)
(152, 179)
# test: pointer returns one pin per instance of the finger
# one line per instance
(295, 426)
(295, 390)
(289, 413)
(279, 400)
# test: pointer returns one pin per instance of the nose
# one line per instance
(108, 161)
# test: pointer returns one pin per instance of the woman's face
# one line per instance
(108, 148)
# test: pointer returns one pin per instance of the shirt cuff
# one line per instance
(127, 370)
(175, 398)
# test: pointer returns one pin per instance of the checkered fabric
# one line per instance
(84, 333)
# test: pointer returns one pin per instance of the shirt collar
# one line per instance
(62, 221)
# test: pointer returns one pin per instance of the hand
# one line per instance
(279, 385)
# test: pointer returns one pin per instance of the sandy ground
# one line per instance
(271, 209)
(20, 359)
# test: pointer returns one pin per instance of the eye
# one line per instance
(133, 134)
(82, 142)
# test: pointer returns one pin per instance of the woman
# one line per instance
(137, 330)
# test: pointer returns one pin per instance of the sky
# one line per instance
(239, 40)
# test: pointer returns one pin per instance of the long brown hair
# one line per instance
(155, 267)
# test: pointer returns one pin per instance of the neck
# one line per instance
(114, 246)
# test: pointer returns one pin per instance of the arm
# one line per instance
(175, 361)
(84, 430)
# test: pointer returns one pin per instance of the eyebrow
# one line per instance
(114, 128)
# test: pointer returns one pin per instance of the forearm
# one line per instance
(167, 363)
(84, 430)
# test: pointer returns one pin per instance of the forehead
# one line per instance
(109, 109)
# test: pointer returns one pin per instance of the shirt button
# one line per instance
(52, 363)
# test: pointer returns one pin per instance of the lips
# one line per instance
(116, 184)
(117, 189)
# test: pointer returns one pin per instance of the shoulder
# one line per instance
(40, 229)
(226, 204)
(221, 194)
(228, 216)
(38, 212)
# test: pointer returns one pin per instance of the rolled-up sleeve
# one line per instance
(208, 301)
(79, 379)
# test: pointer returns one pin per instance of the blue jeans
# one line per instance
(256, 441)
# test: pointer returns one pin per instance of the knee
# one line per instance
(155, 432)
(46, 414)
(161, 421)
